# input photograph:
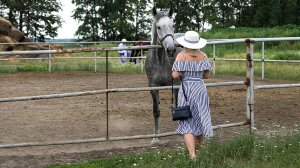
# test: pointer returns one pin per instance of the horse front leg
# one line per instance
(156, 113)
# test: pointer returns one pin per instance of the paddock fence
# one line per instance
(249, 83)
(95, 57)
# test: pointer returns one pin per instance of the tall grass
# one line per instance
(69, 66)
(247, 32)
(273, 70)
(245, 151)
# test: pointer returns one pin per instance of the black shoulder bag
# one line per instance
(180, 113)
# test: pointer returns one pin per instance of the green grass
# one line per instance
(245, 151)
(273, 70)
(247, 32)
(67, 65)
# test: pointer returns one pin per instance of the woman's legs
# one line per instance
(190, 142)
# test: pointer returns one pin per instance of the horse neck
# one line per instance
(154, 36)
(159, 54)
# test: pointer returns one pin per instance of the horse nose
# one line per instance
(170, 49)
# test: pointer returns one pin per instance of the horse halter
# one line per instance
(161, 41)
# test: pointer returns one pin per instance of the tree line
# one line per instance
(131, 19)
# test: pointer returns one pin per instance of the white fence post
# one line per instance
(49, 61)
(107, 112)
(263, 60)
(214, 60)
(95, 59)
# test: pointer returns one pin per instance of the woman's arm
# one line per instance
(176, 74)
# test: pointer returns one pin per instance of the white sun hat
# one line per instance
(191, 40)
(124, 40)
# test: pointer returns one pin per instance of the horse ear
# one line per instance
(154, 11)
(171, 12)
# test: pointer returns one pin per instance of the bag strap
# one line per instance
(182, 90)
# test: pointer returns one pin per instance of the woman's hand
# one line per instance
(176, 74)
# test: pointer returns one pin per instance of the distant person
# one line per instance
(137, 53)
(123, 53)
(192, 66)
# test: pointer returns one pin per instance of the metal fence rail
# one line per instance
(79, 141)
(95, 92)
(277, 86)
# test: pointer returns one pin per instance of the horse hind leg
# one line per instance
(156, 114)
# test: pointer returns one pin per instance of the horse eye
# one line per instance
(158, 27)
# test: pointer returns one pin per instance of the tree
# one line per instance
(296, 13)
(185, 16)
(142, 19)
(86, 12)
(242, 12)
(114, 19)
(33, 17)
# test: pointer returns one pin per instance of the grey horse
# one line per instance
(159, 61)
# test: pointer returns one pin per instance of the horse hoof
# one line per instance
(155, 141)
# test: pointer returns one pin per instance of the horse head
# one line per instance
(163, 30)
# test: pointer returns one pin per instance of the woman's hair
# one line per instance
(193, 52)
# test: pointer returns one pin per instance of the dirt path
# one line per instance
(130, 114)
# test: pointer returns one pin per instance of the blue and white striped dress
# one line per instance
(196, 92)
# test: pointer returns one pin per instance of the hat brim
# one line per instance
(200, 44)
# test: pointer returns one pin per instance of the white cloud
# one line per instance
(69, 25)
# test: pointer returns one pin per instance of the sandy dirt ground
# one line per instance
(130, 113)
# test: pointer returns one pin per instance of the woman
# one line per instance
(193, 66)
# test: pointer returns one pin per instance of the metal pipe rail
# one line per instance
(53, 58)
(220, 59)
(92, 140)
(277, 86)
(213, 41)
(78, 43)
(257, 60)
(226, 41)
(94, 92)
(77, 50)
